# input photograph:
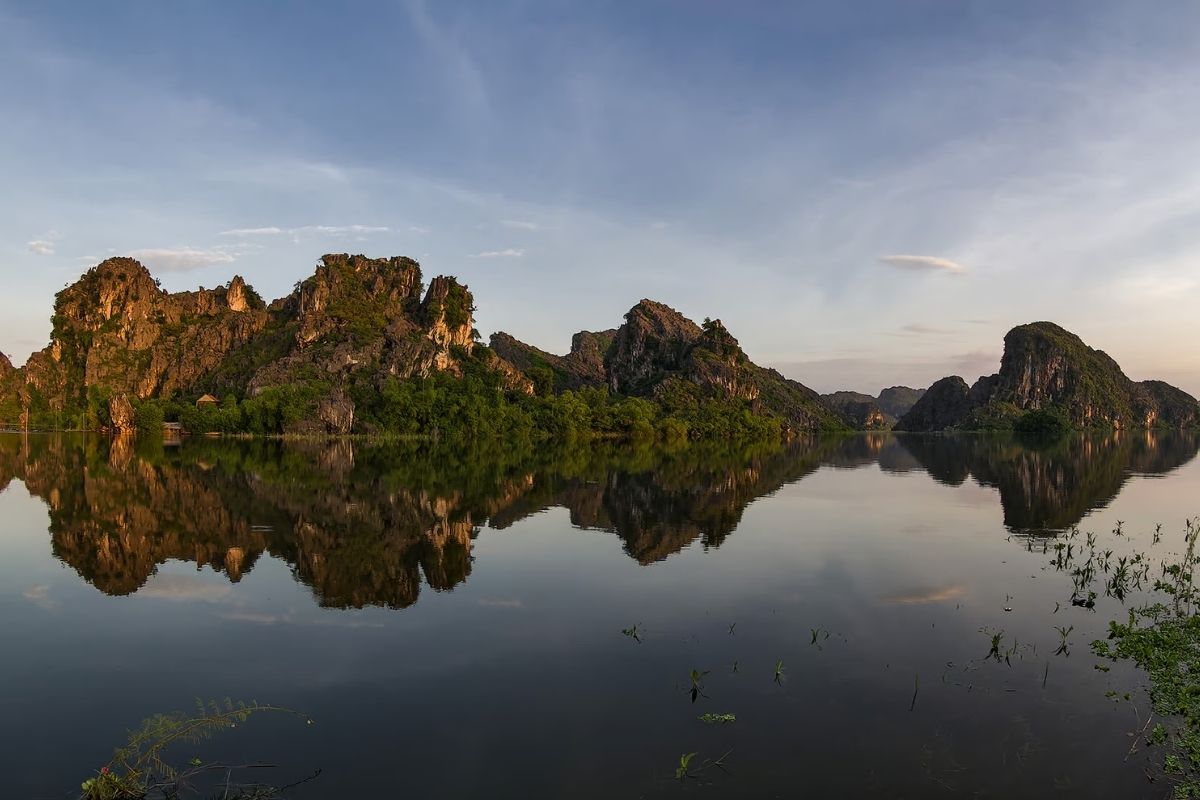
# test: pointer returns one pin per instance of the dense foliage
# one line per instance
(474, 406)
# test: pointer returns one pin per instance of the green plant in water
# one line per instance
(635, 632)
(1063, 633)
(139, 769)
(717, 719)
(684, 769)
(779, 670)
(697, 688)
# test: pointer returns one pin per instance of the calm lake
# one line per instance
(452, 621)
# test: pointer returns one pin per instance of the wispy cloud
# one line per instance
(509, 252)
(918, 328)
(41, 247)
(924, 263)
(520, 224)
(181, 259)
(271, 231)
(323, 230)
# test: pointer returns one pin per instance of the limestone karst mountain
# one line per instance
(662, 355)
(1048, 369)
(118, 337)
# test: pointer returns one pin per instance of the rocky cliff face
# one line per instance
(355, 321)
(895, 401)
(116, 329)
(861, 410)
(1047, 367)
(660, 353)
(582, 367)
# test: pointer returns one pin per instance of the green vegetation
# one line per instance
(1164, 640)
(473, 407)
(141, 767)
(1049, 423)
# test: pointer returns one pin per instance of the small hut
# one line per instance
(206, 401)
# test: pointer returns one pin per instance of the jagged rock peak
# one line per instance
(944, 403)
(6, 366)
(1047, 367)
(654, 340)
(896, 401)
(448, 310)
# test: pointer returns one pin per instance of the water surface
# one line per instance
(453, 619)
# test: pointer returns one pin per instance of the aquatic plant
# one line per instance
(634, 632)
(697, 687)
(139, 768)
(684, 770)
(779, 670)
(717, 719)
(1063, 633)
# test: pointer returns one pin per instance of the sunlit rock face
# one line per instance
(1045, 366)
(354, 320)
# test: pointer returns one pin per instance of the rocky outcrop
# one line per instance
(1047, 367)
(946, 403)
(6, 367)
(582, 367)
(651, 346)
(355, 321)
(895, 401)
(121, 413)
(861, 410)
(660, 353)
(117, 329)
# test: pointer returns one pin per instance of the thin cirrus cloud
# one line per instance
(326, 230)
(927, 263)
(181, 259)
(918, 328)
(508, 252)
(41, 247)
(521, 225)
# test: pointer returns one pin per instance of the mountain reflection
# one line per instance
(366, 525)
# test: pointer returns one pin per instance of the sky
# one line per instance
(865, 193)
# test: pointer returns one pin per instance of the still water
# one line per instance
(453, 620)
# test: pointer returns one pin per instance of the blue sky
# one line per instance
(866, 193)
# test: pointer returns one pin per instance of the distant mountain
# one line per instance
(862, 410)
(1047, 368)
(895, 401)
(873, 413)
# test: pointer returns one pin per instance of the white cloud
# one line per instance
(924, 263)
(522, 225)
(418, 229)
(181, 259)
(917, 327)
(510, 252)
(271, 231)
(340, 230)
(321, 230)
(41, 247)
